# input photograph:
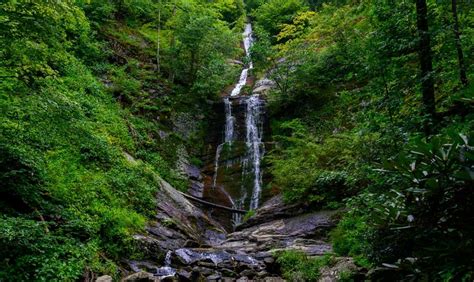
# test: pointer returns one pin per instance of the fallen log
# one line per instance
(201, 201)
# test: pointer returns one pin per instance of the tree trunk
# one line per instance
(457, 38)
(158, 40)
(172, 47)
(426, 64)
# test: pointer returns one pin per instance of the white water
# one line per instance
(216, 164)
(168, 258)
(241, 83)
(248, 40)
(229, 122)
(255, 148)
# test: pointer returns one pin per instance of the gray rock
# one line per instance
(192, 172)
(269, 260)
(273, 279)
(274, 208)
(141, 277)
(262, 273)
(248, 273)
(196, 189)
(184, 275)
(203, 270)
(206, 264)
(104, 278)
(213, 277)
(263, 86)
(228, 272)
(332, 273)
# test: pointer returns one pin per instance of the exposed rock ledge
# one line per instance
(183, 244)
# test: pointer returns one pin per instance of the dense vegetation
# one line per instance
(84, 86)
(372, 114)
(373, 111)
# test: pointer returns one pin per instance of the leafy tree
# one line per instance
(272, 14)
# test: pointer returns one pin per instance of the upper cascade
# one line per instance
(248, 41)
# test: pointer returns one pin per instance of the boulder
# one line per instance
(196, 189)
(214, 277)
(192, 172)
(274, 208)
(104, 278)
(262, 86)
(333, 272)
(141, 276)
(184, 275)
(286, 233)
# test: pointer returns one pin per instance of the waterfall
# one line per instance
(250, 163)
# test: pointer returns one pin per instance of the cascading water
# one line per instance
(254, 148)
(229, 122)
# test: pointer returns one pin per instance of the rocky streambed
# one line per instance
(184, 244)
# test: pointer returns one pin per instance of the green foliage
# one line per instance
(31, 252)
(318, 170)
(425, 204)
(248, 215)
(296, 266)
(271, 15)
(231, 10)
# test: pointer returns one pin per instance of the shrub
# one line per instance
(296, 266)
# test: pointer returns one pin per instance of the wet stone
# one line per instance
(269, 260)
(140, 277)
(104, 278)
(228, 272)
(203, 270)
(249, 273)
(184, 275)
(214, 277)
(206, 264)
(196, 189)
